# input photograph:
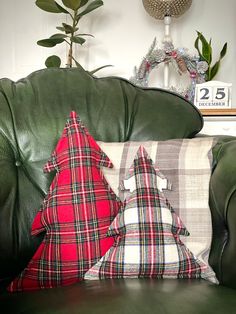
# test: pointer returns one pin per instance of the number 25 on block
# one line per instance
(213, 94)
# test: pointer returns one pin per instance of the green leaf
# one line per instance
(196, 45)
(86, 35)
(72, 4)
(214, 70)
(50, 6)
(210, 57)
(223, 51)
(68, 29)
(206, 48)
(59, 35)
(53, 62)
(92, 6)
(76, 63)
(78, 40)
(50, 42)
(83, 2)
(60, 28)
(98, 69)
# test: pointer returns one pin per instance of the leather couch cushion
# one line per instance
(129, 296)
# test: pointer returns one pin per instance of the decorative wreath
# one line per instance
(182, 62)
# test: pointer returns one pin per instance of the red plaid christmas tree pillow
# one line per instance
(75, 215)
(148, 243)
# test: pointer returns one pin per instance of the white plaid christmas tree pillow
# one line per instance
(147, 234)
(187, 163)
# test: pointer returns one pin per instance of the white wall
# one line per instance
(123, 33)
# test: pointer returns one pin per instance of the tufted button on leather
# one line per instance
(18, 163)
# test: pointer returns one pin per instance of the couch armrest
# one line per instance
(223, 207)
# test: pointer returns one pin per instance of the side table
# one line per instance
(219, 121)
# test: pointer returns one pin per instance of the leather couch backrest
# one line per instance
(33, 112)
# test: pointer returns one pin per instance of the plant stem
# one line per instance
(70, 52)
(69, 56)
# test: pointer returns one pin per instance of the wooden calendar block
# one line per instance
(213, 94)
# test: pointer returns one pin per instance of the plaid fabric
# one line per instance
(75, 215)
(187, 165)
(146, 244)
(136, 180)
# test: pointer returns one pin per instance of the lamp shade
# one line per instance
(161, 8)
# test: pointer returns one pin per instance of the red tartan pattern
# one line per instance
(76, 213)
(147, 244)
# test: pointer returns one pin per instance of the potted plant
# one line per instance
(69, 33)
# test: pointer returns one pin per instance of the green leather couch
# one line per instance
(33, 112)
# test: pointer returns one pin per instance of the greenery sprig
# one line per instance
(206, 55)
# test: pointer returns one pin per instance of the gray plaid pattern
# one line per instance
(187, 165)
